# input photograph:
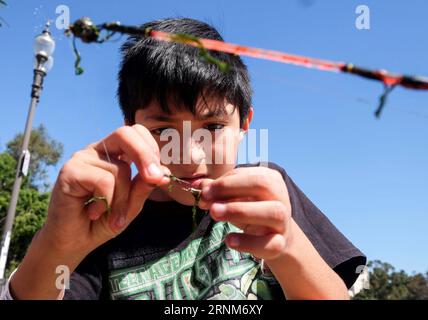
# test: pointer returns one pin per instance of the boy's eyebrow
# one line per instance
(160, 117)
(167, 118)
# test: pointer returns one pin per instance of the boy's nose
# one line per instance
(193, 152)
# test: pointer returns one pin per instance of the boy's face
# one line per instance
(194, 147)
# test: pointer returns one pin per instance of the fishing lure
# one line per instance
(185, 185)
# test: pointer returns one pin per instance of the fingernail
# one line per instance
(166, 171)
(165, 180)
(234, 241)
(207, 193)
(219, 209)
(120, 222)
(153, 170)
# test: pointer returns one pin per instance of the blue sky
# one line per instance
(369, 176)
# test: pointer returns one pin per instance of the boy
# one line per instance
(145, 246)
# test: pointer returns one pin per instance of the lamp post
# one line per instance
(44, 46)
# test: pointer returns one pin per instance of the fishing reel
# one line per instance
(84, 29)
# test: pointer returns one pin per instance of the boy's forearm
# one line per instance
(302, 272)
(37, 277)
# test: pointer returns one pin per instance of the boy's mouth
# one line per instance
(195, 181)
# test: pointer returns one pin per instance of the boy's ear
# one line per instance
(246, 123)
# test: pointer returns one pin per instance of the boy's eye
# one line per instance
(159, 131)
(214, 126)
(211, 127)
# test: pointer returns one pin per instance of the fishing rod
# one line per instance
(88, 32)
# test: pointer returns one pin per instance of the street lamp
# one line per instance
(44, 47)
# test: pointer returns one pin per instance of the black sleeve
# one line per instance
(87, 281)
(336, 250)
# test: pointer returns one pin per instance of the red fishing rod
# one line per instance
(88, 32)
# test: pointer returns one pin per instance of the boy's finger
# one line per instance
(122, 174)
(203, 203)
(253, 230)
(97, 183)
(139, 192)
(147, 137)
(150, 141)
(126, 140)
(234, 186)
(272, 214)
(265, 247)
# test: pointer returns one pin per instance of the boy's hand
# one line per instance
(75, 227)
(255, 200)
(102, 170)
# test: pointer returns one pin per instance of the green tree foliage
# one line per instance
(44, 150)
(388, 284)
(33, 202)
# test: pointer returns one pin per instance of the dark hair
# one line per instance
(167, 72)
